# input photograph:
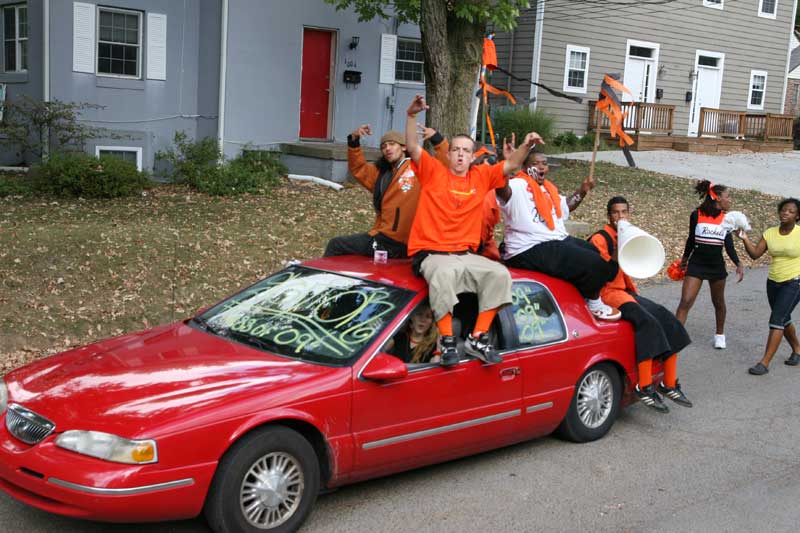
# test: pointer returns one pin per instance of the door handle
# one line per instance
(510, 373)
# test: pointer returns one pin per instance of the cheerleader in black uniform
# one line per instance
(702, 256)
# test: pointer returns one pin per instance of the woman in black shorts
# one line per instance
(702, 256)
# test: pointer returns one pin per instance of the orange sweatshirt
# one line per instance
(615, 292)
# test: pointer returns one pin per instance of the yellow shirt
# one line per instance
(785, 252)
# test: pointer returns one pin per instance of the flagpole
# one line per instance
(596, 142)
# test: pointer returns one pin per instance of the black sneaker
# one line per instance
(674, 393)
(482, 349)
(793, 360)
(758, 369)
(650, 398)
(450, 355)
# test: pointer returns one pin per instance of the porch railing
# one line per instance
(642, 117)
(740, 125)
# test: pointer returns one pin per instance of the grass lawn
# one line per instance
(73, 271)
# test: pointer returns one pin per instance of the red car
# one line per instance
(249, 409)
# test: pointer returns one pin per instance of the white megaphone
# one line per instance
(640, 254)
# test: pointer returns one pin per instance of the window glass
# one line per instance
(757, 90)
(410, 61)
(307, 314)
(768, 6)
(708, 61)
(536, 315)
(118, 47)
(15, 26)
(125, 155)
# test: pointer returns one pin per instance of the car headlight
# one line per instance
(3, 396)
(109, 447)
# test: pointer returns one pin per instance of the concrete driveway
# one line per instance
(777, 174)
(729, 464)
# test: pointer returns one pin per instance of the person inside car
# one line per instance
(446, 233)
(417, 341)
(657, 333)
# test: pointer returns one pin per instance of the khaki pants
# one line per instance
(449, 275)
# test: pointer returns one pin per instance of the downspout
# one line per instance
(537, 52)
(46, 54)
(788, 59)
(223, 74)
(46, 68)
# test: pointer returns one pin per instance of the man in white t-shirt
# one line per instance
(536, 238)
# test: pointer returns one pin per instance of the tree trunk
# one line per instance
(453, 49)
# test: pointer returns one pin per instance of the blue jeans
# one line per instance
(783, 298)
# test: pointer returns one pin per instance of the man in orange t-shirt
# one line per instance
(446, 234)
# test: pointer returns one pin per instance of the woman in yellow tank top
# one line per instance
(783, 282)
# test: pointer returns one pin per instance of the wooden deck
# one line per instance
(722, 131)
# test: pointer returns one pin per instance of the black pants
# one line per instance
(657, 333)
(573, 260)
(362, 244)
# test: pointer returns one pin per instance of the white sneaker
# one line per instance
(719, 342)
(602, 311)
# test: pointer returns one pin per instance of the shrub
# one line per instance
(566, 139)
(520, 121)
(251, 172)
(191, 159)
(14, 185)
(80, 174)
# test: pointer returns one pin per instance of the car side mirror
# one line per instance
(385, 367)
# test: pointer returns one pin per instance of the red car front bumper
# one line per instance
(58, 481)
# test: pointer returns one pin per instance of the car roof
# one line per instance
(398, 272)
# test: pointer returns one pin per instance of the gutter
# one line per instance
(537, 52)
(223, 75)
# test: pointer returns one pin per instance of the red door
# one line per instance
(315, 84)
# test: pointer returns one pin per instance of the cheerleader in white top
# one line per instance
(702, 255)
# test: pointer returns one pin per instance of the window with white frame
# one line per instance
(768, 8)
(410, 61)
(132, 154)
(15, 25)
(716, 4)
(119, 42)
(758, 88)
(576, 69)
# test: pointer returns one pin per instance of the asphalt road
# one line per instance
(728, 464)
(772, 173)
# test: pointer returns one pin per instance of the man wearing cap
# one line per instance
(395, 192)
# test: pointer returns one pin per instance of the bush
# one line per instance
(14, 185)
(251, 172)
(520, 121)
(566, 139)
(80, 174)
(190, 159)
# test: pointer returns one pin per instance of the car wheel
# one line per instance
(594, 405)
(268, 481)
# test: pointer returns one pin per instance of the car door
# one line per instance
(546, 355)
(434, 414)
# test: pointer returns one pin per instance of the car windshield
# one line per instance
(307, 314)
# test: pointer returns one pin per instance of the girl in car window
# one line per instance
(416, 342)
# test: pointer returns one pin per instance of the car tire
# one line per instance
(240, 500)
(594, 406)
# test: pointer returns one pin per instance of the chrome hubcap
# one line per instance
(595, 398)
(271, 490)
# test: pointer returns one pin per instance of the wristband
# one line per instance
(353, 142)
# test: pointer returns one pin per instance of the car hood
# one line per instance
(170, 373)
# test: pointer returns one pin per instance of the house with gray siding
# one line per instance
(247, 72)
(685, 54)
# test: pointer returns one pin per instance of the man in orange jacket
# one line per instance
(657, 333)
(395, 193)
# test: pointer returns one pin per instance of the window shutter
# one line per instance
(156, 46)
(388, 57)
(83, 40)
